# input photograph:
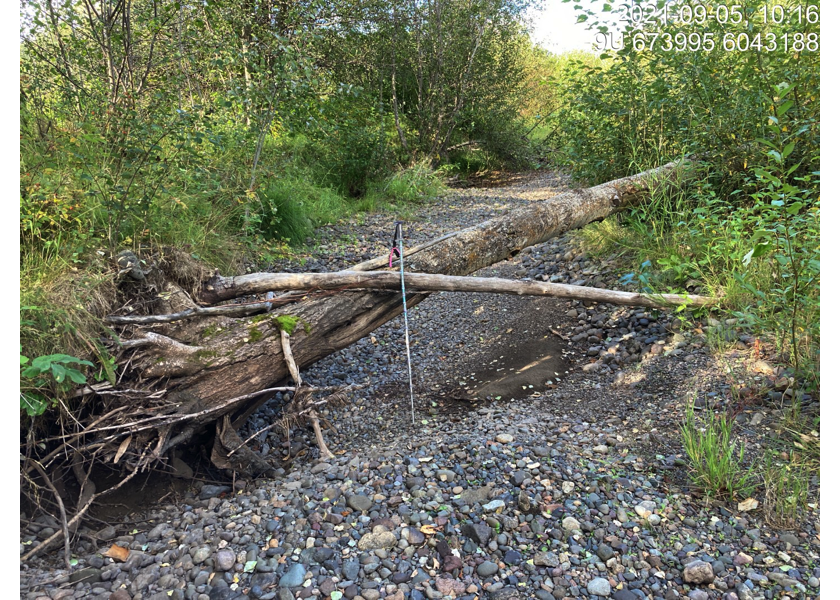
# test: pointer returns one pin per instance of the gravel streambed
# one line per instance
(543, 459)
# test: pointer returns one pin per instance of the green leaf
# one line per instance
(250, 566)
(42, 363)
(336, 595)
(784, 108)
(761, 249)
(783, 89)
(767, 143)
(793, 168)
(34, 404)
(30, 372)
(788, 149)
(76, 376)
(794, 208)
(58, 372)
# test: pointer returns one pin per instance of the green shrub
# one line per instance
(472, 161)
(44, 373)
(747, 228)
(347, 142)
(291, 207)
(281, 214)
(411, 185)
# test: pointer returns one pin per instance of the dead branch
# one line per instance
(61, 510)
(257, 283)
(287, 419)
(237, 310)
(169, 345)
(172, 419)
(310, 410)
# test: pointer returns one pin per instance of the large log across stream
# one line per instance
(219, 368)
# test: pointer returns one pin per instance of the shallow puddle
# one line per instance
(517, 372)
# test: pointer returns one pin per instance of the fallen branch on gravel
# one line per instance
(423, 282)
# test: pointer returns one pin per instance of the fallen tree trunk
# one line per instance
(219, 368)
(260, 283)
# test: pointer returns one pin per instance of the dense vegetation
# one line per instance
(738, 91)
(749, 228)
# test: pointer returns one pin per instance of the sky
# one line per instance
(555, 28)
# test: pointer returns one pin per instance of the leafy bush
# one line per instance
(747, 227)
(44, 373)
(785, 229)
(347, 141)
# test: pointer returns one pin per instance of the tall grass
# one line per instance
(715, 461)
(785, 490)
(403, 191)
(291, 207)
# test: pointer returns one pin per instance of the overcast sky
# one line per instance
(556, 28)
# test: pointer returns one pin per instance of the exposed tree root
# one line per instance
(81, 512)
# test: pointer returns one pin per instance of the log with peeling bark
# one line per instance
(214, 366)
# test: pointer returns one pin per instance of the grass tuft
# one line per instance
(785, 491)
(715, 462)
(412, 185)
